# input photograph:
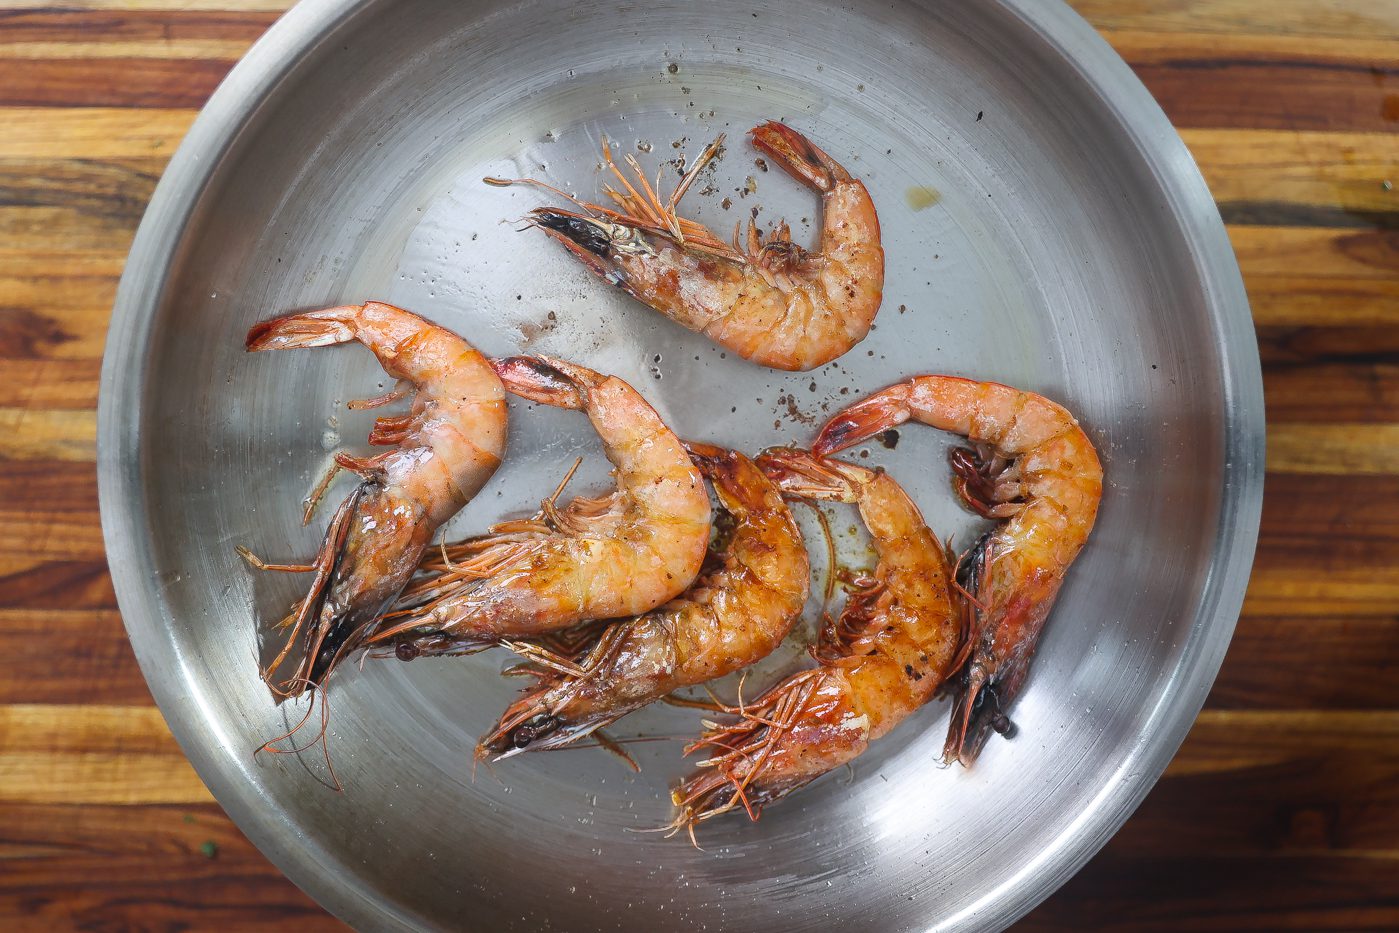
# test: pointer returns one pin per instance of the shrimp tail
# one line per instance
(323, 328)
(805, 476)
(870, 416)
(802, 159)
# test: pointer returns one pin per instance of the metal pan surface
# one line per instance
(1044, 227)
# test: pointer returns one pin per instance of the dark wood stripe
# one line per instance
(1362, 391)
(1208, 893)
(105, 191)
(1287, 214)
(1363, 347)
(1263, 92)
(1325, 513)
(144, 82)
(148, 867)
(61, 487)
(68, 657)
(1302, 663)
(58, 584)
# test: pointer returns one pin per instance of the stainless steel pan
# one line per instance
(1072, 249)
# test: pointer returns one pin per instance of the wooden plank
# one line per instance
(1305, 782)
(107, 189)
(1205, 893)
(275, 6)
(145, 82)
(1347, 19)
(1357, 392)
(68, 657)
(1370, 349)
(1334, 449)
(1266, 82)
(92, 754)
(111, 133)
(1306, 276)
(141, 867)
(1289, 178)
(48, 435)
(1298, 591)
(55, 584)
(53, 384)
(1310, 663)
(54, 332)
(156, 30)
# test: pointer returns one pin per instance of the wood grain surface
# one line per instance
(1281, 811)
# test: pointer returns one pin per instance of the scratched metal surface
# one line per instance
(1070, 248)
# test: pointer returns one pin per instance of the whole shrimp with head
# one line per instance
(620, 555)
(767, 299)
(743, 604)
(444, 450)
(894, 643)
(1034, 469)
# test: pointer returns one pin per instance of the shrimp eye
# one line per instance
(535, 728)
(406, 651)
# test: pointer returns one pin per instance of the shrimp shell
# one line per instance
(444, 451)
(618, 556)
(894, 644)
(736, 613)
(1033, 469)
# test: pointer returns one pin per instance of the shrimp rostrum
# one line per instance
(744, 603)
(443, 451)
(597, 558)
(895, 642)
(1032, 468)
(767, 298)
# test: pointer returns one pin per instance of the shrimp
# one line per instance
(771, 301)
(894, 644)
(1033, 469)
(444, 451)
(618, 556)
(736, 613)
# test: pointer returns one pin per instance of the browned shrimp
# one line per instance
(618, 556)
(771, 302)
(443, 452)
(737, 612)
(1031, 466)
(892, 647)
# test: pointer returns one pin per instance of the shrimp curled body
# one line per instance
(772, 302)
(893, 645)
(444, 451)
(1033, 469)
(737, 612)
(608, 558)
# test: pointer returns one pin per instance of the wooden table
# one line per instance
(1280, 812)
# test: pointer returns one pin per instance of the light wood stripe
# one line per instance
(108, 132)
(1336, 171)
(1352, 591)
(63, 434)
(1334, 449)
(92, 754)
(1359, 19)
(228, 50)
